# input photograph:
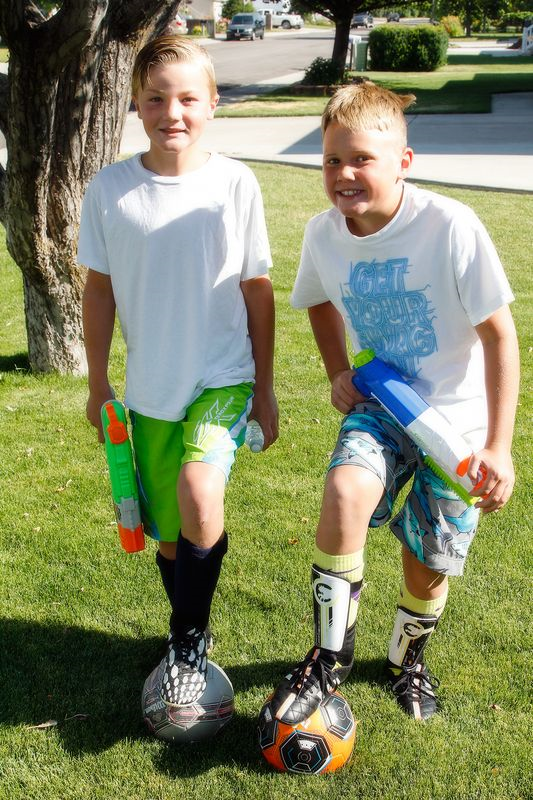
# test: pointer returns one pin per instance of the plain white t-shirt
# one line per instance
(413, 292)
(176, 249)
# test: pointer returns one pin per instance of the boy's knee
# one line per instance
(355, 487)
(201, 488)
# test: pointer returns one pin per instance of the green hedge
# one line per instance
(414, 49)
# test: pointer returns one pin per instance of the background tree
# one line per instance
(470, 10)
(232, 7)
(339, 12)
(63, 105)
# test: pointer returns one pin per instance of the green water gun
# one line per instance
(122, 476)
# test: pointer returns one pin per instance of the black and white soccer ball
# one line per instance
(195, 722)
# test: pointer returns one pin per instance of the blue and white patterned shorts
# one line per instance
(434, 523)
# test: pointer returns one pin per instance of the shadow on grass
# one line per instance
(16, 363)
(487, 59)
(90, 683)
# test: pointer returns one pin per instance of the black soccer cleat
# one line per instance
(303, 689)
(184, 678)
(414, 689)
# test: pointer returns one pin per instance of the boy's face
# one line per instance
(175, 107)
(363, 172)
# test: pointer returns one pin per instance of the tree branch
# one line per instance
(13, 19)
(73, 27)
(139, 14)
(334, 9)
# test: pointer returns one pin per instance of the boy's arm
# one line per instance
(330, 336)
(259, 300)
(502, 370)
(98, 309)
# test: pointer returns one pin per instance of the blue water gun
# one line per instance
(445, 451)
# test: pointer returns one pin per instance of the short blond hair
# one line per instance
(365, 106)
(170, 50)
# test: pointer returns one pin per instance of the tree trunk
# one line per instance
(68, 93)
(340, 12)
(341, 43)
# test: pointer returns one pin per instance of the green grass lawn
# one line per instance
(464, 85)
(82, 623)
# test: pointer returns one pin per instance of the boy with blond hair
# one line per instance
(175, 240)
(414, 276)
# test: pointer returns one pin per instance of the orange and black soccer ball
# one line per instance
(321, 743)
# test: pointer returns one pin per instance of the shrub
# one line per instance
(452, 26)
(322, 72)
(418, 49)
(516, 19)
(429, 47)
(389, 48)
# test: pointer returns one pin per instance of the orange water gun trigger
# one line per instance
(462, 468)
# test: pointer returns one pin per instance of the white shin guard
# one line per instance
(410, 636)
(331, 605)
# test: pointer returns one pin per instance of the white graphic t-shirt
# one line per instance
(413, 292)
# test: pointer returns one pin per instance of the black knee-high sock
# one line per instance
(195, 579)
(167, 570)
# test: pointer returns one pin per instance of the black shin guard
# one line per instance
(195, 580)
(345, 656)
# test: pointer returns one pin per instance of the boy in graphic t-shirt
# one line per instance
(414, 276)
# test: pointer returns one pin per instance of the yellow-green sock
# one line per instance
(435, 607)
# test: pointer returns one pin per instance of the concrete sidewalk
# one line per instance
(477, 150)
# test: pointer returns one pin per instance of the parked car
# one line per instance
(364, 20)
(393, 17)
(246, 26)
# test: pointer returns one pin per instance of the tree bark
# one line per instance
(66, 99)
(341, 43)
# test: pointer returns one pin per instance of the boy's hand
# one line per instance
(497, 487)
(94, 404)
(265, 411)
(344, 395)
